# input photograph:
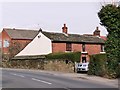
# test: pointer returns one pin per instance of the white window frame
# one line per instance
(6, 43)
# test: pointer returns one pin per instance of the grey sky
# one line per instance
(80, 17)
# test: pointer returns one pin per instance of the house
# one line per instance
(15, 38)
(51, 42)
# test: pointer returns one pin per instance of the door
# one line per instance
(84, 60)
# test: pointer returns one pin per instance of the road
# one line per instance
(30, 79)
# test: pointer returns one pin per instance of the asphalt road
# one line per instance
(30, 79)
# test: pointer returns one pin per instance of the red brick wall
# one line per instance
(93, 48)
(23, 43)
(18, 45)
(90, 48)
(5, 37)
(61, 47)
(76, 47)
(58, 47)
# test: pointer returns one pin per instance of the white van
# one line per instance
(82, 67)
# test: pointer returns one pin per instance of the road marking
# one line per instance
(17, 75)
(41, 81)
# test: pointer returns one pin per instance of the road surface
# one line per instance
(30, 79)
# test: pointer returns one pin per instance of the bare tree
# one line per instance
(14, 49)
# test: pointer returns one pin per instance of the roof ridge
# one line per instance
(52, 32)
(69, 34)
(82, 35)
(21, 29)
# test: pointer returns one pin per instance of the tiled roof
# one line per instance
(56, 37)
(21, 34)
(76, 38)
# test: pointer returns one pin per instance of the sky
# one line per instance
(80, 17)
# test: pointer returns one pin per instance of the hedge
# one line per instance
(73, 56)
(99, 66)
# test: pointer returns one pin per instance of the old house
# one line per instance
(51, 42)
(15, 39)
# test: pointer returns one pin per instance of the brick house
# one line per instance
(51, 42)
(13, 37)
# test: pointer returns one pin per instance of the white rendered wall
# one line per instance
(40, 45)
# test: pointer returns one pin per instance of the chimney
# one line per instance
(96, 32)
(65, 29)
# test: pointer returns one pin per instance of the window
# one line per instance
(102, 48)
(83, 47)
(6, 43)
(39, 36)
(68, 47)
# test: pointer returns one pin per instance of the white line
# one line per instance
(17, 75)
(41, 81)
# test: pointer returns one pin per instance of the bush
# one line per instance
(113, 69)
(73, 56)
(100, 65)
(97, 65)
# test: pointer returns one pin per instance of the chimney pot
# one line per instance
(97, 28)
(64, 25)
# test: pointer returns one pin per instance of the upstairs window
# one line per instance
(6, 43)
(83, 47)
(68, 47)
(102, 48)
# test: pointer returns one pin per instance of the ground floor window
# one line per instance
(68, 47)
(102, 48)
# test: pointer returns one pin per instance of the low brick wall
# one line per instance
(51, 65)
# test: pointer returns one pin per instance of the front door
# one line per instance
(84, 60)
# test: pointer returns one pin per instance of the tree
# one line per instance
(110, 18)
(14, 49)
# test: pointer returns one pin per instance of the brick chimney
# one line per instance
(96, 32)
(65, 29)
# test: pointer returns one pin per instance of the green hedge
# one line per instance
(97, 65)
(73, 56)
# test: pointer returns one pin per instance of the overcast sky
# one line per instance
(80, 17)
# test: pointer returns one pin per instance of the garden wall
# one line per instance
(63, 62)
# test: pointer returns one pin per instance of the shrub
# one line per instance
(72, 56)
(97, 65)
(100, 65)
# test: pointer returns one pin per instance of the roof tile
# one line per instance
(73, 38)
(21, 34)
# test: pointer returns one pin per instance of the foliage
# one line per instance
(97, 65)
(73, 56)
(110, 18)
(15, 48)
